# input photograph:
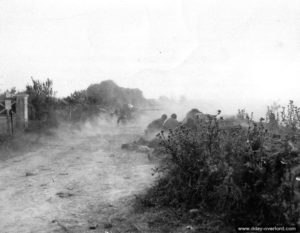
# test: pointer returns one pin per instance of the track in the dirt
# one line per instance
(75, 182)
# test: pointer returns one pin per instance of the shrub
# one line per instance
(42, 102)
(241, 174)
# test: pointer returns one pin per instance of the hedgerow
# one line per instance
(245, 176)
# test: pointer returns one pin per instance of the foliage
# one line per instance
(109, 94)
(105, 97)
(77, 97)
(41, 101)
(243, 115)
(12, 91)
(290, 116)
(242, 174)
(80, 107)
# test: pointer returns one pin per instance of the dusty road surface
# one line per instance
(75, 181)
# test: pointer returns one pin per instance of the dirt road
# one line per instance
(76, 181)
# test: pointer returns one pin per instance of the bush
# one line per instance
(42, 102)
(243, 175)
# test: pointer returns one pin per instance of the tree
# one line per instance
(108, 94)
(41, 98)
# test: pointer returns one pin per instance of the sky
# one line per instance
(238, 52)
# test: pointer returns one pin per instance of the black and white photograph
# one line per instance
(149, 116)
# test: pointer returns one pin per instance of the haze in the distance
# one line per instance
(238, 53)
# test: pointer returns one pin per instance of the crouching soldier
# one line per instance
(122, 117)
(155, 126)
(171, 123)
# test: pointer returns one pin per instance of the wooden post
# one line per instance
(11, 121)
(9, 131)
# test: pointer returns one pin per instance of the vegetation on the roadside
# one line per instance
(242, 176)
(46, 110)
(106, 96)
(41, 103)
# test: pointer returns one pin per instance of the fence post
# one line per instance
(22, 111)
(9, 127)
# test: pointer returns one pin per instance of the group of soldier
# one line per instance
(191, 121)
(165, 124)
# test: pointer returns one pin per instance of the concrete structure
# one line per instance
(22, 111)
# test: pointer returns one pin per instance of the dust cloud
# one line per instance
(73, 178)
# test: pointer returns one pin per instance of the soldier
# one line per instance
(192, 118)
(122, 117)
(171, 123)
(156, 125)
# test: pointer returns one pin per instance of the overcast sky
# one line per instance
(231, 50)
